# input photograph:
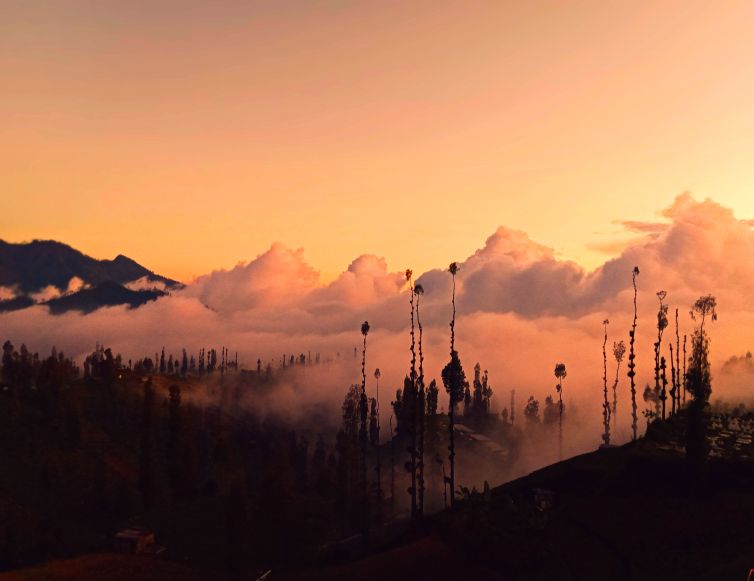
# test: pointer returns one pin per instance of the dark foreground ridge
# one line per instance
(618, 513)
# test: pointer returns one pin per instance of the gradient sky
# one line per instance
(192, 135)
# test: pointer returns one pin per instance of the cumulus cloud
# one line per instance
(274, 279)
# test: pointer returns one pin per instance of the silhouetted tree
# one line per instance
(376, 440)
(373, 425)
(673, 391)
(560, 374)
(454, 380)
(410, 403)
(619, 350)
(363, 431)
(677, 363)
(683, 383)
(699, 384)
(664, 382)
(420, 405)
(162, 361)
(653, 397)
(531, 410)
(662, 323)
(551, 412)
(349, 455)
(432, 393)
(605, 402)
(632, 360)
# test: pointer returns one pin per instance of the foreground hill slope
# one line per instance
(622, 513)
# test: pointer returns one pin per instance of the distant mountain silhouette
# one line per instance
(30, 267)
(35, 265)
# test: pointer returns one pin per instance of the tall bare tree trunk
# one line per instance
(632, 362)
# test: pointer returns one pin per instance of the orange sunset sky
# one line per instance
(191, 135)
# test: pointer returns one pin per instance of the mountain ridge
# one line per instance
(83, 283)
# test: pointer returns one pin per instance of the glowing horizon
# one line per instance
(190, 138)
